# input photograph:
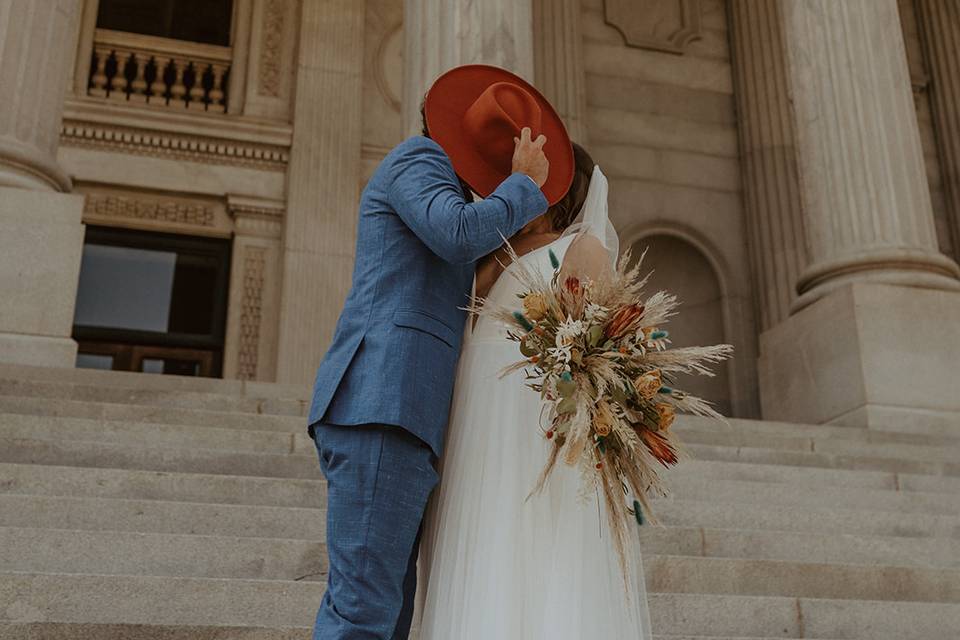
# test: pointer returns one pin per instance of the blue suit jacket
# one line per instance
(396, 345)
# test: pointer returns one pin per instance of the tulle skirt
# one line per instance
(496, 565)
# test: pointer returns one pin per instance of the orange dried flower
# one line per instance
(659, 446)
(623, 320)
(666, 414)
(572, 285)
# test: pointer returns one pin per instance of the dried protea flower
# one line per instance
(659, 446)
(623, 320)
(648, 384)
(666, 414)
(535, 306)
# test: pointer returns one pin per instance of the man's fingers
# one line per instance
(540, 141)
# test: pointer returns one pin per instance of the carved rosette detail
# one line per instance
(114, 206)
(661, 25)
(251, 311)
(271, 48)
(170, 145)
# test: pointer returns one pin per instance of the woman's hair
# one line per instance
(564, 212)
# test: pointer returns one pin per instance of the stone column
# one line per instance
(558, 62)
(322, 184)
(442, 34)
(866, 199)
(42, 236)
(869, 341)
(768, 156)
(940, 28)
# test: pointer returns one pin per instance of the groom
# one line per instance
(382, 394)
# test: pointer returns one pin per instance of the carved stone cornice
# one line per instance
(166, 144)
(111, 205)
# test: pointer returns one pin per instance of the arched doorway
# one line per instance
(682, 269)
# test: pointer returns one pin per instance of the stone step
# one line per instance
(162, 516)
(150, 453)
(158, 554)
(150, 600)
(268, 521)
(59, 407)
(131, 380)
(738, 576)
(895, 457)
(802, 546)
(62, 631)
(204, 556)
(136, 484)
(178, 398)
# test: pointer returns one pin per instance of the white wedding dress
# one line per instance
(494, 564)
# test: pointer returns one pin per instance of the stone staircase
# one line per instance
(136, 506)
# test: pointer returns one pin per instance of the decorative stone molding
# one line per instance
(271, 48)
(107, 205)
(661, 25)
(251, 308)
(382, 78)
(165, 144)
(155, 211)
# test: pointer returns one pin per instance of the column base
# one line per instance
(42, 351)
(41, 241)
(871, 355)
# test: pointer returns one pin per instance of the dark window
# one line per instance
(194, 20)
(152, 302)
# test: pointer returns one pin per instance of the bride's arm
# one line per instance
(586, 259)
(489, 268)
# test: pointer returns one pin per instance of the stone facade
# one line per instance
(791, 164)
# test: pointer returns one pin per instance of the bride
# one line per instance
(497, 564)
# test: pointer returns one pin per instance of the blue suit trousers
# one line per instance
(378, 481)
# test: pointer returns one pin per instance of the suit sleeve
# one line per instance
(426, 195)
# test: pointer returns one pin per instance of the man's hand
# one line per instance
(528, 157)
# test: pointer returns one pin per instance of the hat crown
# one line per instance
(496, 117)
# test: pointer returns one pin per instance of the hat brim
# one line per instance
(450, 97)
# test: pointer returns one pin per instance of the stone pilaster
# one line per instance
(251, 341)
(442, 34)
(42, 235)
(768, 156)
(322, 184)
(940, 27)
(558, 61)
(867, 210)
(866, 343)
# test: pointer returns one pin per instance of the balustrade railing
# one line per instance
(130, 67)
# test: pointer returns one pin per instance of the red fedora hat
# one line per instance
(475, 111)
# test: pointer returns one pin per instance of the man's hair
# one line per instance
(564, 212)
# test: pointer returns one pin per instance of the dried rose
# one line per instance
(648, 384)
(666, 415)
(623, 320)
(535, 306)
(603, 420)
(659, 446)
